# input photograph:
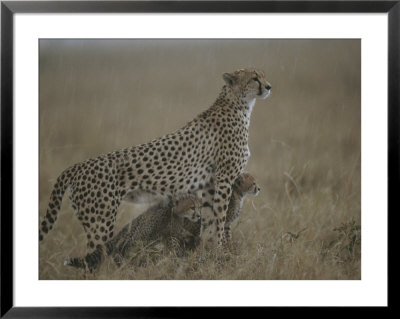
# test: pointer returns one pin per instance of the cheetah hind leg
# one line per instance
(208, 228)
(94, 257)
(99, 230)
(90, 262)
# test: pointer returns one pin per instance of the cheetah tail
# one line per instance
(48, 220)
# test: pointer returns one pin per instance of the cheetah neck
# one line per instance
(251, 104)
(228, 99)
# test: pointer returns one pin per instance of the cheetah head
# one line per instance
(249, 84)
(187, 206)
(245, 184)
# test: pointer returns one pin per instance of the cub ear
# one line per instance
(239, 180)
(229, 78)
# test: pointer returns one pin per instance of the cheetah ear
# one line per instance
(239, 180)
(229, 78)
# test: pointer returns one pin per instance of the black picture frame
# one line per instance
(9, 8)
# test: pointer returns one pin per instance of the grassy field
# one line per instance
(305, 142)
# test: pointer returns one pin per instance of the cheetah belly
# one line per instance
(199, 178)
(143, 197)
(195, 179)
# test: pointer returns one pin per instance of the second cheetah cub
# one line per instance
(244, 185)
(159, 223)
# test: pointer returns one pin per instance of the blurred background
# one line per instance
(305, 139)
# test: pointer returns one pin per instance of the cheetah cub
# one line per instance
(244, 185)
(159, 223)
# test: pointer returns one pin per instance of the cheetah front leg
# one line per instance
(223, 191)
(228, 233)
(208, 227)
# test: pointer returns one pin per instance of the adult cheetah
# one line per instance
(210, 149)
(160, 222)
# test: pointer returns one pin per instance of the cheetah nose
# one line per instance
(268, 87)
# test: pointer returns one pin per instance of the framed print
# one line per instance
(160, 155)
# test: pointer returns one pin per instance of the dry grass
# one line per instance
(305, 147)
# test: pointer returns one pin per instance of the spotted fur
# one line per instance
(211, 149)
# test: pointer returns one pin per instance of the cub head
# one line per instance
(245, 184)
(248, 84)
(187, 206)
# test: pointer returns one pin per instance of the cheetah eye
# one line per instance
(258, 81)
(253, 79)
